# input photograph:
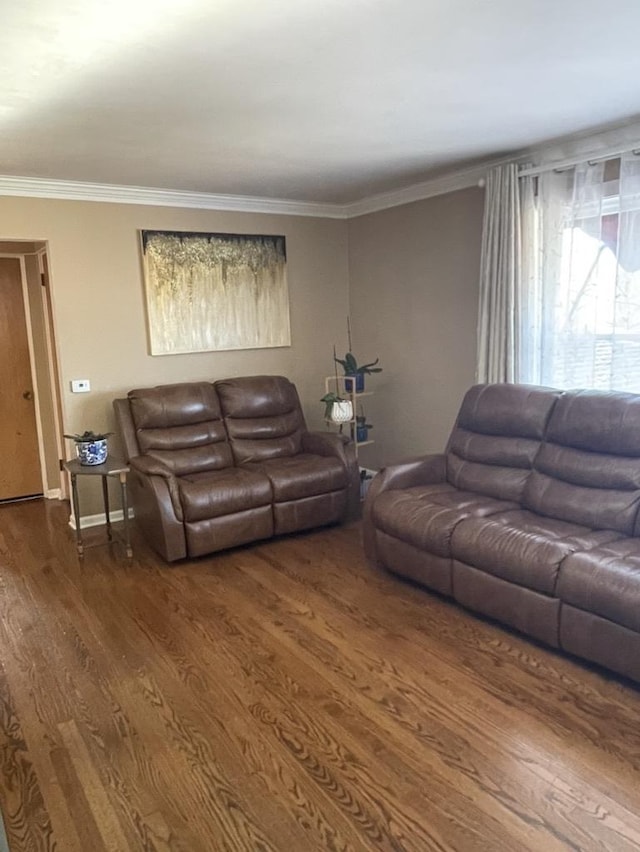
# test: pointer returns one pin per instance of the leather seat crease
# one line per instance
(303, 475)
(523, 547)
(223, 492)
(426, 516)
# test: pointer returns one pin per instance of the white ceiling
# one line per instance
(316, 100)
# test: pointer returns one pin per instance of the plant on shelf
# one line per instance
(352, 369)
(91, 447)
(362, 428)
(336, 408)
(89, 435)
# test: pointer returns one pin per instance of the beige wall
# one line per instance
(99, 305)
(408, 277)
(413, 299)
(99, 308)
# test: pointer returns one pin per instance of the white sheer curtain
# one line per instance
(500, 268)
(580, 321)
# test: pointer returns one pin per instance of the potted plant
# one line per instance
(362, 428)
(337, 409)
(91, 447)
(354, 372)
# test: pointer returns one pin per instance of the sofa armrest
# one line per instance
(148, 466)
(126, 428)
(423, 470)
(325, 444)
(342, 448)
(155, 515)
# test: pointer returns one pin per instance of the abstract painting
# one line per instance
(210, 292)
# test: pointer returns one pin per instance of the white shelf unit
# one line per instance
(339, 386)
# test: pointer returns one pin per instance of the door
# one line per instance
(20, 473)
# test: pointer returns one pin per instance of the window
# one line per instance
(581, 285)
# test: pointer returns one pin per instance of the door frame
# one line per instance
(57, 489)
(53, 367)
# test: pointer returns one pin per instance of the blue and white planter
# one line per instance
(92, 452)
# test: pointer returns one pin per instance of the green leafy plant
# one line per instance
(352, 368)
(329, 399)
(87, 436)
(349, 363)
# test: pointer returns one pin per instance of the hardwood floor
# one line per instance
(286, 697)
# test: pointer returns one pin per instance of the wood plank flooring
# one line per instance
(286, 697)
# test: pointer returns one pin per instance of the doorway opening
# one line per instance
(30, 400)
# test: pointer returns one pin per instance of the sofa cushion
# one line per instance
(496, 437)
(222, 492)
(263, 417)
(605, 581)
(523, 547)
(181, 426)
(588, 470)
(302, 475)
(426, 515)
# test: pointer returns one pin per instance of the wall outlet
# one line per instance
(80, 386)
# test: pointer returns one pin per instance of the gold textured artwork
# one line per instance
(215, 291)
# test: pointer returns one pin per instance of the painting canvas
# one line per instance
(215, 291)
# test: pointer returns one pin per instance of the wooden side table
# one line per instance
(112, 467)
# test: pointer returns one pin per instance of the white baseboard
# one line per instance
(53, 494)
(99, 520)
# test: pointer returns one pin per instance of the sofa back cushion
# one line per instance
(496, 438)
(263, 417)
(588, 469)
(181, 426)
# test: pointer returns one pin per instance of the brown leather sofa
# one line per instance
(214, 465)
(530, 516)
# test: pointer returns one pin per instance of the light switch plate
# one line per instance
(80, 385)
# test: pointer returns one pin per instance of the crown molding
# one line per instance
(441, 185)
(452, 181)
(28, 187)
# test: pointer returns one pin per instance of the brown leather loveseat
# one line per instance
(214, 465)
(530, 516)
